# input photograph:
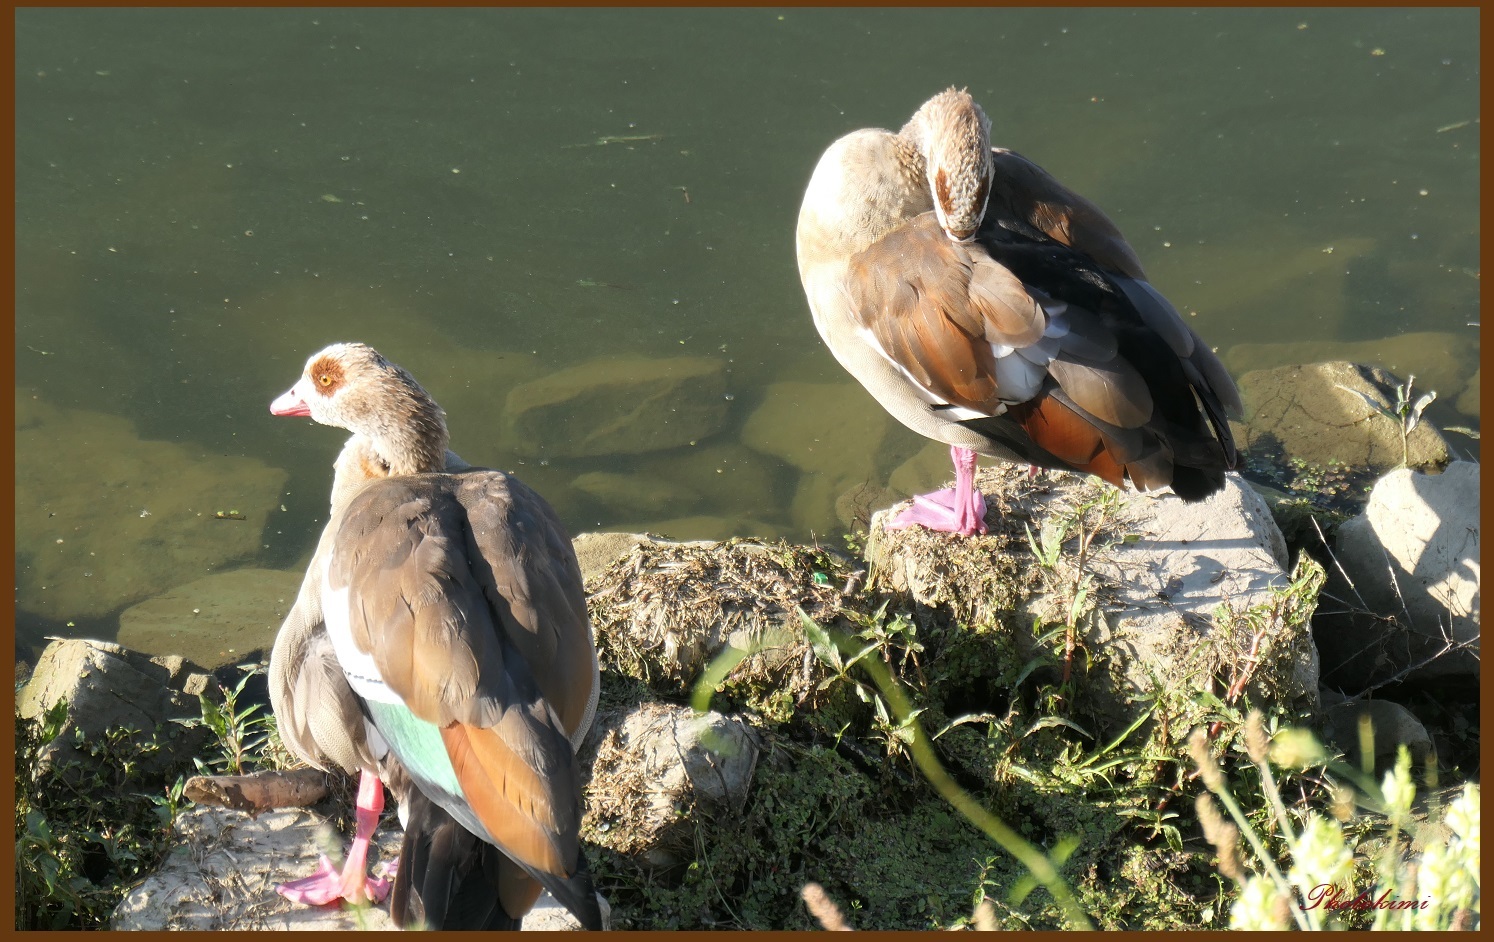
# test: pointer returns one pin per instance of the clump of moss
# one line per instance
(663, 611)
(894, 859)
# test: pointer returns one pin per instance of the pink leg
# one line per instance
(959, 510)
(327, 884)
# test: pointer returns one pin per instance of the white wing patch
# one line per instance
(359, 668)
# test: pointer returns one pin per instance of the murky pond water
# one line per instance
(205, 197)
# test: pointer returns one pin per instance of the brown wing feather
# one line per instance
(936, 306)
(460, 595)
(515, 802)
(517, 890)
(524, 562)
(1088, 445)
(438, 566)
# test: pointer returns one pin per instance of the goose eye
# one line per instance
(325, 380)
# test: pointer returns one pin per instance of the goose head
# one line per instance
(351, 386)
(953, 136)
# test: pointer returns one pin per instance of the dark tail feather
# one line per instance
(1195, 484)
(575, 893)
(446, 877)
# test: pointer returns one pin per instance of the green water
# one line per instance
(205, 197)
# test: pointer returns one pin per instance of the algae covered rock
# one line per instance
(654, 768)
(104, 519)
(617, 405)
(661, 613)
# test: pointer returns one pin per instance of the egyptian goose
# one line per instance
(987, 306)
(452, 605)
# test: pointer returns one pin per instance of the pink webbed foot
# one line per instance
(329, 885)
(943, 511)
(960, 509)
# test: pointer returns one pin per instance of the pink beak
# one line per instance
(290, 403)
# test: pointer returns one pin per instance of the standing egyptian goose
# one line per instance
(317, 713)
(451, 599)
(985, 305)
(318, 716)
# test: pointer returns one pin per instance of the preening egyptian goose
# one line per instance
(987, 306)
(452, 603)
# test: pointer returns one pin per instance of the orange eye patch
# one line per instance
(327, 373)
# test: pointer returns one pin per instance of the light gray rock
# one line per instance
(617, 405)
(216, 620)
(1171, 598)
(1304, 412)
(106, 686)
(1409, 579)
(655, 767)
(104, 519)
(223, 865)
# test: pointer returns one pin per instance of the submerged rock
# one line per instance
(816, 427)
(104, 519)
(724, 474)
(1467, 401)
(1318, 414)
(1305, 275)
(1439, 360)
(1407, 580)
(216, 620)
(836, 437)
(636, 493)
(617, 405)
